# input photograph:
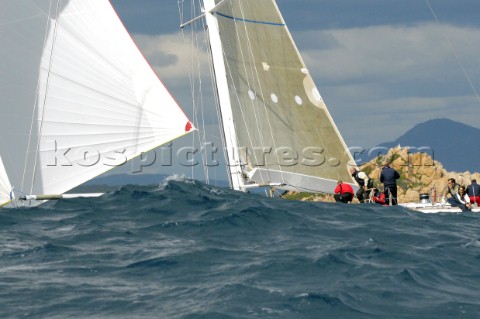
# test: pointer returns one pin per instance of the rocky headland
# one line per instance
(419, 173)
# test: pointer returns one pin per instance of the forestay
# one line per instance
(277, 128)
(77, 96)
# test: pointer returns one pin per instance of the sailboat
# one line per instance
(277, 131)
(77, 98)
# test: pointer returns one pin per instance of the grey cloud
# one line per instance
(161, 59)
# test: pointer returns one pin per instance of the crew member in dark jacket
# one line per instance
(388, 177)
(473, 191)
(362, 180)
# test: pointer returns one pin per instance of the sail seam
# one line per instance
(251, 21)
(255, 75)
(255, 110)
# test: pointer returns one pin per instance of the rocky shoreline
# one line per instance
(419, 172)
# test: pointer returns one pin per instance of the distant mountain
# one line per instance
(455, 145)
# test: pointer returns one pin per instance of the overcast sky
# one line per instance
(382, 66)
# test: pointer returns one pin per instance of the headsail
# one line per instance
(5, 186)
(277, 127)
(77, 96)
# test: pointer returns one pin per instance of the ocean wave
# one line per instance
(184, 249)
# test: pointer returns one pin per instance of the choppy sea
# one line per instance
(183, 249)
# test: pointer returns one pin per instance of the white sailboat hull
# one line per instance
(430, 208)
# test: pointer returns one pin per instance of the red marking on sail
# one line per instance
(188, 127)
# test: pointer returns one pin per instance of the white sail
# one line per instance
(5, 186)
(77, 96)
(277, 128)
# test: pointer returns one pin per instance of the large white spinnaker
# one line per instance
(77, 96)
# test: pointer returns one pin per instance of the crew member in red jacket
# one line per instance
(343, 192)
(378, 197)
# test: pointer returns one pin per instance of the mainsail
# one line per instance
(277, 128)
(77, 96)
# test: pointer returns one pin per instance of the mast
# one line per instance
(231, 143)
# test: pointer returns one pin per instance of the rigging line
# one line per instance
(203, 152)
(197, 98)
(37, 95)
(192, 85)
(237, 175)
(240, 108)
(254, 108)
(215, 8)
(457, 58)
(256, 72)
(216, 103)
(194, 46)
(216, 95)
(20, 20)
(216, 99)
(196, 87)
(180, 5)
(230, 74)
(202, 109)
